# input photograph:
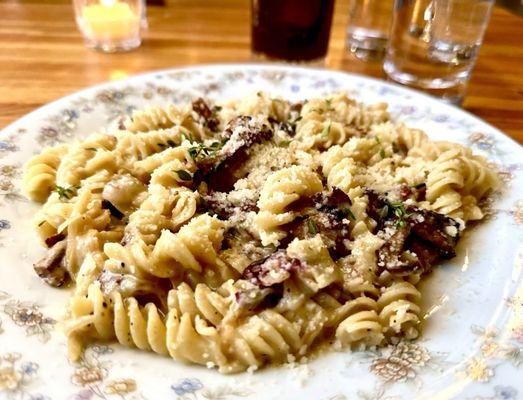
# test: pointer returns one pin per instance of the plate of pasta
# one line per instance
(259, 232)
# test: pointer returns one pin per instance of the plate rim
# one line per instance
(343, 76)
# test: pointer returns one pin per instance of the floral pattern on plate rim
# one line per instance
(395, 365)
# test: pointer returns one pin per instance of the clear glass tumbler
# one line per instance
(434, 44)
(110, 25)
(293, 30)
(368, 28)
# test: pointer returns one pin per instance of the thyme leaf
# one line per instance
(65, 193)
(312, 227)
(326, 131)
(348, 212)
(184, 175)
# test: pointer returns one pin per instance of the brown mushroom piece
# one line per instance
(223, 170)
(416, 238)
(144, 290)
(51, 269)
(206, 114)
(120, 192)
(261, 284)
(272, 270)
(327, 214)
(250, 297)
(218, 204)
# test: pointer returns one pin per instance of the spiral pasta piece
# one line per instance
(281, 189)
(142, 327)
(194, 247)
(331, 121)
(40, 172)
(133, 147)
(162, 209)
(154, 118)
(399, 311)
(363, 326)
(265, 337)
(444, 182)
(85, 159)
(322, 270)
(144, 168)
(204, 302)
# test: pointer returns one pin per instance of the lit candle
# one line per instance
(110, 21)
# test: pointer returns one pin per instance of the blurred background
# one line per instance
(43, 55)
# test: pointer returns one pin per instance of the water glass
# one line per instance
(434, 44)
(293, 30)
(368, 28)
(110, 25)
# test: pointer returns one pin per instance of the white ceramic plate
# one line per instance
(472, 347)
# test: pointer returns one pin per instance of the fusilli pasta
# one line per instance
(253, 231)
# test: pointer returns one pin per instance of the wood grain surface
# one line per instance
(42, 56)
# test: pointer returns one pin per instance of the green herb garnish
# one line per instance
(189, 138)
(348, 212)
(400, 212)
(201, 151)
(184, 175)
(382, 153)
(65, 193)
(377, 139)
(325, 132)
(312, 227)
(285, 143)
(91, 148)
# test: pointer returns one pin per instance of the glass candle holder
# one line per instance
(110, 25)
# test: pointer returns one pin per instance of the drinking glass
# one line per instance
(434, 44)
(368, 27)
(293, 30)
(110, 25)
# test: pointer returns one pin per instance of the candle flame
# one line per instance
(118, 74)
(108, 3)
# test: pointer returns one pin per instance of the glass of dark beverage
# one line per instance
(294, 30)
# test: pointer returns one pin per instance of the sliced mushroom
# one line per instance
(327, 214)
(122, 191)
(207, 116)
(415, 239)
(223, 170)
(272, 270)
(51, 268)
(251, 297)
(145, 290)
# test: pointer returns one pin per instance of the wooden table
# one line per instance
(42, 56)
